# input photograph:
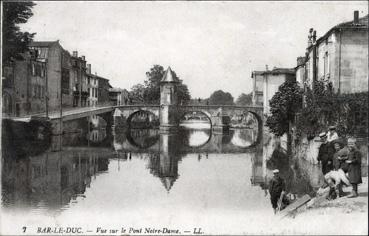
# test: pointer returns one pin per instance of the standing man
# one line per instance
(354, 166)
(325, 155)
(277, 189)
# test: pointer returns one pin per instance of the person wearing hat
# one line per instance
(277, 188)
(325, 154)
(332, 134)
(354, 166)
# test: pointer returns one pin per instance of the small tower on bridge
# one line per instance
(168, 101)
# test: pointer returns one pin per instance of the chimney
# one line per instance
(310, 36)
(83, 58)
(314, 36)
(75, 53)
(356, 17)
(89, 68)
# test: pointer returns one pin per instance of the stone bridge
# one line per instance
(170, 111)
(219, 115)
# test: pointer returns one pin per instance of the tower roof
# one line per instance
(169, 76)
(168, 182)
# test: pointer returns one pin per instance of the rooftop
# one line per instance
(116, 90)
(169, 76)
(280, 71)
(257, 72)
(362, 24)
(42, 43)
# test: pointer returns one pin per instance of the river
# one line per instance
(138, 178)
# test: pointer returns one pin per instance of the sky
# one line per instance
(210, 45)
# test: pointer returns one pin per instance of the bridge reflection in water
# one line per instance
(192, 169)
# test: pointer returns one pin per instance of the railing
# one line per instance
(222, 106)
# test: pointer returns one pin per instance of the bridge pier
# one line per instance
(220, 122)
(56, 134)
(168, 118)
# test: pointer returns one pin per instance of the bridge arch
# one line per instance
(186, 135)
(185, 112)
(151, 137)
(134, 113)
(259, 119)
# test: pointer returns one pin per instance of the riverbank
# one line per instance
(321, 216)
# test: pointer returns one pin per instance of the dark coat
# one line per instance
(276, 186)
(325, 155)
(340, 163)
(354, 169)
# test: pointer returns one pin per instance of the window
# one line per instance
(75, 76)
(34, 91)
(65, 81)
(33, 69)
(38, 70)
(43, 71)
(326, 65)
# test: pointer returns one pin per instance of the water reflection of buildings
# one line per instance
(166, 150)
(258, 177)
(165, 163)
(97, 135)
(244, 137)
(49, 180)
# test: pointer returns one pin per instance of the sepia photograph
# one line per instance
(184, 118)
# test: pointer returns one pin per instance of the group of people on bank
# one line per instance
(341, 163)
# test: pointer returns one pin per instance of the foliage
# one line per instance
(136, 94)
(323, 107)
(283, 107)
(199, 101)
(244, 99)
(183, 94)
(14, 40)
(220, 97)
(316, 109)
(149, 92)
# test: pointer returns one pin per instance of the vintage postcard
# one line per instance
(184, 117)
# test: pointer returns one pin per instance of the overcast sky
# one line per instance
(210, 45)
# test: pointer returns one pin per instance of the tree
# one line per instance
(152, 84)
(221, 98)
(136, 94)
(244, 99)
(150, 92)
(183, 94)
(15, 41)
(285, 103)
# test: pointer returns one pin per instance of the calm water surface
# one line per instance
(140, 178)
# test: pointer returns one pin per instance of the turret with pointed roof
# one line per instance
(169, 77)
(168, 101)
